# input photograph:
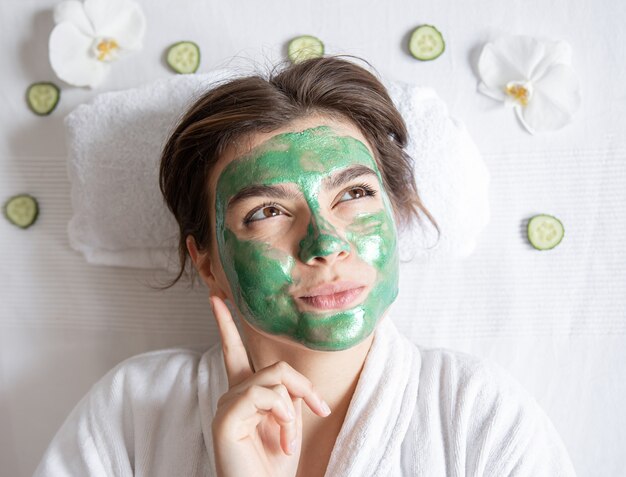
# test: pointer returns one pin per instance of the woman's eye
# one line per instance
(355, 193)
(264, 213)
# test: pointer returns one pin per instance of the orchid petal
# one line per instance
(495, 69)
(517, 55)
(128, 28)
(561, 85)
(555, 99)
(70, 57)
(492, 93)
(556, 52)
(543, 114)
(73, 11)
(103, 13)
(520, 115)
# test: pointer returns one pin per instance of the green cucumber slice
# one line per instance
(426, 43)
(545, 232)
(21, 210)
(184, 57)
(43, 97)
(305, 47)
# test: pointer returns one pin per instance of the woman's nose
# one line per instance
(322, 245)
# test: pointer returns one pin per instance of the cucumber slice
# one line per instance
(21, 210)
(545, 232)
(42, 97)
(305, 47)
(184, 57)
(426, 43)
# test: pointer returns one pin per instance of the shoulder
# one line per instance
(459, 370)
(482, 409)
(161, 363)
(146, 402)
(474, 388)
(161, 375)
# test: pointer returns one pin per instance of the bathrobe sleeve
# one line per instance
(524, 442)
(92, 441)
(540, 453)
(141, 417)
(496, 427)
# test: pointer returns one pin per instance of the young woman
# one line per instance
(288, 192)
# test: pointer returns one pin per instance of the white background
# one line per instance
(556, 320)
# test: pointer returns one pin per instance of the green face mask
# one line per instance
(260, 275)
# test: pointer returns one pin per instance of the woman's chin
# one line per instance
(330, 337)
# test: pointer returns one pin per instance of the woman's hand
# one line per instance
(260, 415)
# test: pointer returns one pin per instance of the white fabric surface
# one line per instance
(555, 320)
(120, 218)
(415, 412)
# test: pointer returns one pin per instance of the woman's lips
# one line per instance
(330, 297)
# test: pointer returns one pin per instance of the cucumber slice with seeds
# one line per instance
(21, 210)
(426, 43)
(305, 47)
(545, 232)
(184, 57)
(42, 97)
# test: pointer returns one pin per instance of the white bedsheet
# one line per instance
(556, 320)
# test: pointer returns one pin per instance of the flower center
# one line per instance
(105, 49)
(519, 92)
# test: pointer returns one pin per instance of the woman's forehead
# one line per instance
(341, 127)
(304, 157)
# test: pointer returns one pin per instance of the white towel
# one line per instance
(414, 412)
(114, 146)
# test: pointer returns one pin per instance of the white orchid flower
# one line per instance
(533, 76)
(89, 35)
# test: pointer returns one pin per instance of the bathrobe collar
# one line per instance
(378, 416)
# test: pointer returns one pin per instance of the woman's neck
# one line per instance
(334, 374)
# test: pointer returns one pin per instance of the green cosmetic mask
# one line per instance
(261, 276)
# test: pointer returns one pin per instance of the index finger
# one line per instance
(235, 356)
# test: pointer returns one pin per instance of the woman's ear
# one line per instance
(202, 262)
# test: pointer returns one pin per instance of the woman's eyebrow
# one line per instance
(260, 190)
(347, 175)
(279, 191)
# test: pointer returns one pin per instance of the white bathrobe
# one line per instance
(415, 412)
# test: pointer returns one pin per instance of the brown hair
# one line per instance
(330, 85)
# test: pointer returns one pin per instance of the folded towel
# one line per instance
(120, 218)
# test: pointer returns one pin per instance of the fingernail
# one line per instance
(290, 414)
(325, 408)
(292, 446)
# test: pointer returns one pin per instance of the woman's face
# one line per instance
(305, 234)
